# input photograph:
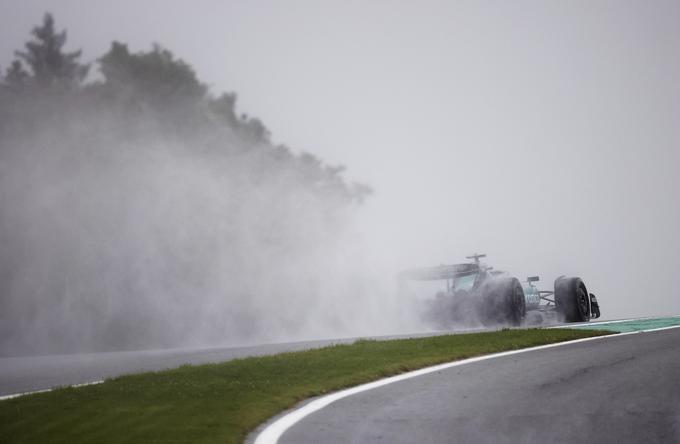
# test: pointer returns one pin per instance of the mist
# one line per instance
(544, 135)
(141, 212)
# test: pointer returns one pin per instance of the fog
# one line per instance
(544, 135)
(131, 231)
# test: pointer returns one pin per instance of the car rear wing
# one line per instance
(440, 272)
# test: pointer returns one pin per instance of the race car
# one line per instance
(476, 292)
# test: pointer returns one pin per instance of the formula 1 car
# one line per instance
(477, 291)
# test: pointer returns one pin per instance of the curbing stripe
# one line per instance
(16, 395)
(617, 321)
(272, 433)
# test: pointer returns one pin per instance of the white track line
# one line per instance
(272, 433)
(618, 321)
(16, 395)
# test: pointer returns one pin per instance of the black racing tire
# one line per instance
(503, 302)
(572, 300)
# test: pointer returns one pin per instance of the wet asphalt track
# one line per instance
(618, 390)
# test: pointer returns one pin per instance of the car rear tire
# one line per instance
(572, 300)
(503, 302)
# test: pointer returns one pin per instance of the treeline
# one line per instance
(139, 210)
(139, 86)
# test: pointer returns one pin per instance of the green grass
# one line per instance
(221, 403)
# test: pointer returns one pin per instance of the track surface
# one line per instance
(617, 390)
(27, 374)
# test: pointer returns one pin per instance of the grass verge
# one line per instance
(221, 403)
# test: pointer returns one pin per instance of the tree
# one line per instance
(225, 108)
(16, 76)
(154, 77)
(52, 68)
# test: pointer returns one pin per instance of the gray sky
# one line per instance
(542, 133)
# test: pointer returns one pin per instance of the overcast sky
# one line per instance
(543, 133)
